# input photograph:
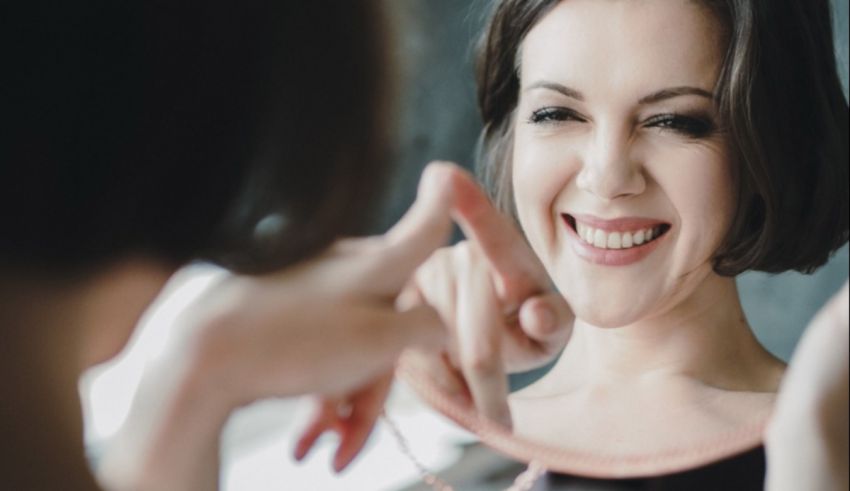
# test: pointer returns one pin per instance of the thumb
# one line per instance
(548, 320)
(424, 228)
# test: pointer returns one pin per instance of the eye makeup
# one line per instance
(554, 115)
(692, 125)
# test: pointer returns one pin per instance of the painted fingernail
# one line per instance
(338, 465)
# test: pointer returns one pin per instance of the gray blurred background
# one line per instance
(439, 121)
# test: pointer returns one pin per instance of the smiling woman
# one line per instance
(792, 90)
(650, 151)
(633, 152)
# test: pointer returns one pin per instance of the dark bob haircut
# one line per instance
(249, 133)
(778, 94)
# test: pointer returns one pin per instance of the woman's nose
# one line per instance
(609, 168)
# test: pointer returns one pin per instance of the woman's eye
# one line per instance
(694, 127)
(554, 115)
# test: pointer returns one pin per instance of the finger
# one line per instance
(538, 333)
(374, 343)
(547, 319)
(324, 419)
(393, 332)
(424, 228)
(439, 373)
(412, 297)
(517, 270)
(479, 333)
(366, 407)
(409, 297)
(435, 287)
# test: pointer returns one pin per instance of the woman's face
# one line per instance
(621, 174)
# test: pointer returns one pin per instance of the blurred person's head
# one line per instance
(142, 135)
(249, 134)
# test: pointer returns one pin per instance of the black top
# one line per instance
(743, 472)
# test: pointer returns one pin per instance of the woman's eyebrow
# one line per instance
(562, 89)
(672, 92)
(655, 97)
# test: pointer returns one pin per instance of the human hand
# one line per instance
(351, 416)
(496, 300)
(807, 439)
(328, 326)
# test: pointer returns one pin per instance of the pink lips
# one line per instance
(613, 257)
(618, 224)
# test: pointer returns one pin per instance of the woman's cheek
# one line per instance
(537, 181)
(700, 190)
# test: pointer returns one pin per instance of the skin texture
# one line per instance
(659, 355)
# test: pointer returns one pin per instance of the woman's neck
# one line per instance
(703, 339)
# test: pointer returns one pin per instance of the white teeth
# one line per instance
(600, 240)
(580, 230)
(615, 240)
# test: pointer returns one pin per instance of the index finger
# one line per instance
(424, 228)
(518, 272)
(479, 344)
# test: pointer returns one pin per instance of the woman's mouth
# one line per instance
(616, 242)
(616, 239)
